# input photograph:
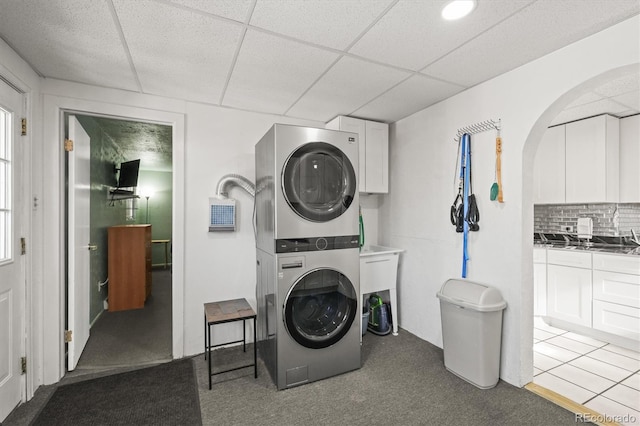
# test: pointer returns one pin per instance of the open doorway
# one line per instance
(584, 350)
(128, 337)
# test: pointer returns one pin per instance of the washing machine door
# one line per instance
(320, 308)
(319, 181)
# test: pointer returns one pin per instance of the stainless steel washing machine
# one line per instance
(311, 329)
(306, 184)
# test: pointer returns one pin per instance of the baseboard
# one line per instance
(582, 414)
(96, 318)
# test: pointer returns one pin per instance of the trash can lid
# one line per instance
(472, 295)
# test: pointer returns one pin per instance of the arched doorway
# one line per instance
(573, 365)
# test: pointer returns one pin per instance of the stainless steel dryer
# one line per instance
(311, 329)
(306, 184)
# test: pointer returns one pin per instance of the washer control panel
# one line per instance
(292, 245)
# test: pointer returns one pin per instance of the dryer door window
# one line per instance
(319, 182)
(320, 308)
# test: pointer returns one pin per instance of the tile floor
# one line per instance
(598, 375)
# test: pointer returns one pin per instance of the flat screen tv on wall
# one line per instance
(128, 177)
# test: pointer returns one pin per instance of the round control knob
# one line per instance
(321, 243)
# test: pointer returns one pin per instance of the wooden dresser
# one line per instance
(129, 266)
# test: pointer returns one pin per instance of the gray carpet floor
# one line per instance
(133, 337)
(402, 381)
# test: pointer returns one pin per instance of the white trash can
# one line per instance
(472, 331)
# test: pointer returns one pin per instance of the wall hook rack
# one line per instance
(480, 127)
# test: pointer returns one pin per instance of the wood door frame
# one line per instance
(54, 108)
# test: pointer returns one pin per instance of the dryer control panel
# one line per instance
(292, 245)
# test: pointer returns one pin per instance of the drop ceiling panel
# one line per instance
(238, 10)
(271, 73)
(413, 94)
(178, 53)
(74, 40)
(347, 86)
(413, 34)
(539, 29)
(331, 23)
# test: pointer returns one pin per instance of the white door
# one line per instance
(78, 245)
(12, 274)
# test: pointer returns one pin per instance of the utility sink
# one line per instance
(378, 272)
(373, 250)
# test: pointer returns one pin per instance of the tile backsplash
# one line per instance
(608, 219)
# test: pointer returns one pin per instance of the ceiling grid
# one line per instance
(377, 59)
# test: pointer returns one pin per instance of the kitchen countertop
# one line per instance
(596, 248)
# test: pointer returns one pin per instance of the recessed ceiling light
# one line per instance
(458, 9)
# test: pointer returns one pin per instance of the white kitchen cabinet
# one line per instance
(592, 160)
(539, 281)
(569, 286)
(623, 289)
(616, 263)
(616, 319)
(549, 168)
(373, 175)
(616, 294)
(630, 159)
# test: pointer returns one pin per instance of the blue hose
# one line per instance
(466, 157)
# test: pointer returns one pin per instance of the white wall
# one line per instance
(370, 205)
(415, 214)
(220, 265)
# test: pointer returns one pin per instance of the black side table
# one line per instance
(229, 311)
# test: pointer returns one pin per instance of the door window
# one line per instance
(320, 308)
(5, 185)
(319, 182)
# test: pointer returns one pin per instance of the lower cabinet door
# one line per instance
(616, 319)
(569, 294)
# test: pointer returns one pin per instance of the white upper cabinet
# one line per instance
(376, 157)
(630, 159)
(549, 168)
(374, 151)
(579, 162)
(592, 160)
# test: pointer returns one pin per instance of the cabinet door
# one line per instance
(539, 289)
(569, 294)
(623, 289)
(617, 319)
(377, 157)
(630, 159)
(549, 168)
(592, 159)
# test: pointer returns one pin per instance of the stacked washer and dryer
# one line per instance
(308, 274)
